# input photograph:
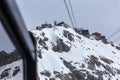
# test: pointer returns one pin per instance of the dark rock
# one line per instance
(42, 43)
(7, 58)
(91, 77)
(63, 24)
(68, 35)
(110, 70)
(46, 73)
(68, 65)
(61, 46)
(79, 37)
(66, 48)
(78, 30)
(85, 33)
(104, 40)
(52, 79)
(98, 36)
(113, 52)
(73, 77)
(46, 25)
(92, 62)
(43, 34)
(5, 73)
(118, 71)
(15, 72)
(39, 54)
(100, 74)
(106, 60)
(45, 39)
(79, 75)
(55, 48)
(112, 45)
(83, 66)
(45, 47)
(61, 76)
(117, 47)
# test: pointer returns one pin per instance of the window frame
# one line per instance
(15, 27)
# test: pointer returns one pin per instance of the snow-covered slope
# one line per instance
(12, 71)
(63, 54)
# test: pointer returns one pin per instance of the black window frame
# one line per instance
(16, 29)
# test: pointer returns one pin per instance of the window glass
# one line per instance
(10, 60)
(5, 43)
(97, 16)
(75, 41)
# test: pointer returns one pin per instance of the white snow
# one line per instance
(80, 49)
(19, 76)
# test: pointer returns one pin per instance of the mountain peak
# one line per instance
(76, 56)
(64, 53)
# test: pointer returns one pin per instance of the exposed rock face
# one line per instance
(6, 58)
(46, 73)
(5, 73)
(62, 24)
(42, 42)
(62, 76)
(117, 47)
(91, 77)
(9, 71)
(61, 46)
(93, 61)
(45, 39)
(108, 61)
(46, 25)
(98, 36)
(84, 74)
(15, 72)
(39, 54)
(89, 63)
(68, 35)
(81, 74)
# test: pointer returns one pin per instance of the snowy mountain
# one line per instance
(64, 54)
(12, 71)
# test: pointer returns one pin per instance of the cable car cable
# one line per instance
(116, 39)
(116, 32)
(68, 12)
(71, 7)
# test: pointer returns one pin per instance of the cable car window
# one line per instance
(73, 40)
(10, 60)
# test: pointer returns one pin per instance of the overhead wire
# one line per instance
(116, 32)
(67, 8)
(71, 7)
(116, 39)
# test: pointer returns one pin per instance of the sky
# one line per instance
(96, 15)
(5, 42)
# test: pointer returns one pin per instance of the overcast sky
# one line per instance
(5, 42)
(96, 15)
